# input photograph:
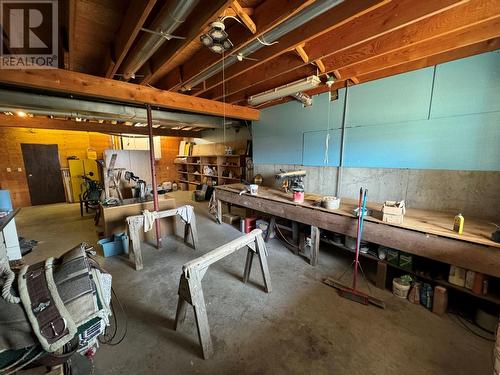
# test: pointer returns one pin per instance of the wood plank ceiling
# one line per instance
(356, 41)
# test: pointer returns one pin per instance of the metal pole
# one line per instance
(342, 142)
(153, 174)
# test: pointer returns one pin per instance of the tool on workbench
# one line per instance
(353, 293)
(293, 181)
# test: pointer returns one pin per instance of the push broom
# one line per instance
(353, 293)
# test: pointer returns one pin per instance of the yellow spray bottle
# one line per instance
(458, 224)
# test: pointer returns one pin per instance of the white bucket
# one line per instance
(399, 289)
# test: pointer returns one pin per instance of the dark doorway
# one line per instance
(43, 171)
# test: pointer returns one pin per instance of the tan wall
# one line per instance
(69, 143)
(165, 168)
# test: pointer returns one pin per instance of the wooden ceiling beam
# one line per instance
(342, 27)
(137, 13)
(71, 35)
(266, 16)
(162, 61)
(320, 65)
(37, 122)
(87, 85)
(440, 58)
(469, 35)
(348, 49)
(303, 55)
(360, 29)
(243, 16)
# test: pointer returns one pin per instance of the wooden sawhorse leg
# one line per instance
(190, 228)
(133, 226)
(190, 291)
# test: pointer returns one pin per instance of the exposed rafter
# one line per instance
(161, 61)
(266, 16)
(137, 12)
(83, 84)
(427, 28)
(440, 58)
(343, 14)
(243, 16)
(37, 122)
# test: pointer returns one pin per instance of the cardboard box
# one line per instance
(393, 219)
(230, 218)
(394, 208)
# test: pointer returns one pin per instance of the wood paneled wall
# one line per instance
(165, 167)
(69, 143)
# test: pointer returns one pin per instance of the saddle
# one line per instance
(64, 307)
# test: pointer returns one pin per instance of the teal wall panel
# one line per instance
(470, 85)
(315, 147)
(466, 143)
(404, 97)
(445, 117)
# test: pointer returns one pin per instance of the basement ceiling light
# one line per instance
(216, 39)
(285, 90)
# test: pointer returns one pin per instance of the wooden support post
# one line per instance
(314, 245)
(190, 288)
(295, 232)
(270, 229)
(381, 274)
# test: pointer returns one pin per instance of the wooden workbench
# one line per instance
(424, 233)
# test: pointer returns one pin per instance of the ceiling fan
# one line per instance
(163, 34)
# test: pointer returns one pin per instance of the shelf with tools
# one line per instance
(439, 280)
(210, 169)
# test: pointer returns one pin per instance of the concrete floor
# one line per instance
(302, 327)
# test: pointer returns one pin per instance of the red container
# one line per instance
(298, 196)
(249, 224)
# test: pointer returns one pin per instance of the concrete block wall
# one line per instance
(473, 193)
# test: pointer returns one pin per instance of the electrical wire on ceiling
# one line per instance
(327, 138)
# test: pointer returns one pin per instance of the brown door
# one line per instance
(43, 171)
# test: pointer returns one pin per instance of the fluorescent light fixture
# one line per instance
(285, 90)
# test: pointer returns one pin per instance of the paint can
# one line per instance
(298, 196)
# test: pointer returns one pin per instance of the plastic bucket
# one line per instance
(399, 289)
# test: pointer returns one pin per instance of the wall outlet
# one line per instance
(9, 170)
(19, 169)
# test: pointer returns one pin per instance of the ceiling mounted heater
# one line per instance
(216, 39)
(285, 90)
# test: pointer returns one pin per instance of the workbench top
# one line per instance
(432, 222)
